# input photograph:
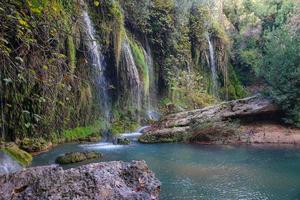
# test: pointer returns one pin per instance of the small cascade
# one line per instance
(98, 62)
(213, 67)
(134, 135)
(153, 115)
(7, 164)
(152, 96)
(133, 79)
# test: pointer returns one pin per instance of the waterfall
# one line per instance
(213, 67)
(133, 77)
(152, 96)
(7, 164)
(98, 62)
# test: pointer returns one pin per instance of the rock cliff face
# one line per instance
(101, 181)
(209, 124)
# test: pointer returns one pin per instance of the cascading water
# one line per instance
(152, 96)
(98, 62)
(133, 136)
(7, 164)
(213, 67)
(134, 82)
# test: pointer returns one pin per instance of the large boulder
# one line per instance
(207, 122)
(102, 181)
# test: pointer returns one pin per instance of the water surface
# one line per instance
(208, 172)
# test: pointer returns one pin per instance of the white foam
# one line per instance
(130, 135)
(102, 145)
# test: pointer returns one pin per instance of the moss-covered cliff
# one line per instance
(154, 55)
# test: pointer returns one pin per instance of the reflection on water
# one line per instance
(209, 172)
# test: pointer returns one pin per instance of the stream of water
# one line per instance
(97, 60)
(7, 164)
(195, 172)
(131, 70)
(213, 67)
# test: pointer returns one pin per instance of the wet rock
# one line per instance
(92, 138)
(123, 141)
(168, 135)
(74, 157)
(103, 181)
(35, 145)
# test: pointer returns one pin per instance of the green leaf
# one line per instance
(26, 112)
(23, 23)
(96, 3)
(7, 81)
(45, 67)
(19, 59)
(37, 117)
(27, 125)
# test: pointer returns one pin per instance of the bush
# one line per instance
(282, 72)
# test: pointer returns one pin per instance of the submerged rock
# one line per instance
(103, 181)
(74, 157)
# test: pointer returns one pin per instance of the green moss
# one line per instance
(235, 89)
(71, 53)
(170, 138)
(35, 145)
(123, 121)
(22, 157)
(75, 157)
(123, 126)
(139, 58)
(123, 141)
(79, 134)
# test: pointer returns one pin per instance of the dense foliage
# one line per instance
(45, 84)
(281, 69)
(266, 46)
(49, 86)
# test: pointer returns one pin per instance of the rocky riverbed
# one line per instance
(111, 180)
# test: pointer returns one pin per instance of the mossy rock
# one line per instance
(92, 138)
(35, 145)
(22, 157)
(75, 157)
(123, 141)
(164, 138)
